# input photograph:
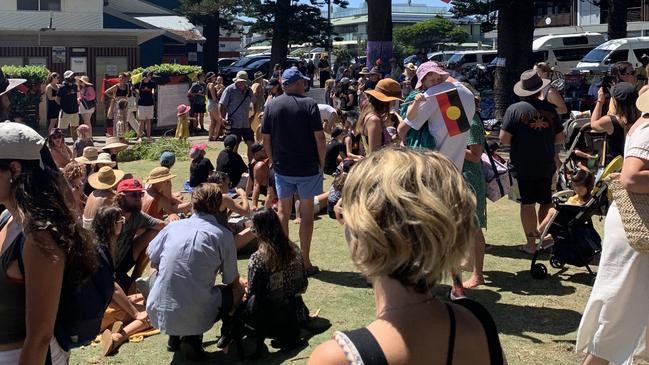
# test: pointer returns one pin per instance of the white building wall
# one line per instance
(74, 14)
(587, 13)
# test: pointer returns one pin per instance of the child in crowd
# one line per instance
(329, 89)
(582, 183)
(336, 191)
(121, 120)
(85, 140)
(182, 128)
(201, 167)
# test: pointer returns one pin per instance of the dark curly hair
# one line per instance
(44, 199)
(275, 247)
(103, 226)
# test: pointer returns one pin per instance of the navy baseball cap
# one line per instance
(291, 75)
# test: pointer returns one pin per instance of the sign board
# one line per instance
(169, 96)
(79, 64)
(78, 50)
(38, 61)
(58, 54)
(111, 70)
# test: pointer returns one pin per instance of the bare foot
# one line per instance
(297, 221)
(473, 281)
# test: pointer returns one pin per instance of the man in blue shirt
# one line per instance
(294, 140)
(188, 254)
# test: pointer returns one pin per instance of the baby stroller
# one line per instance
(576, 242)
(580, 138)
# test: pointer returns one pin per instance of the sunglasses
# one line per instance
(253, 230)
(134, 194)
(121, 220)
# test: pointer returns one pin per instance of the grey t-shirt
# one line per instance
(125, 239)
(237, 103)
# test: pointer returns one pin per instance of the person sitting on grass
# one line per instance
(201, 167)
(61, 153)
(334, 152)
(413, 223)
(106, 226)
(188, 254)
(167, 159)
(231, 162)
(261, 178)
(336, 191)
(276, 282)
(103, 182)
(74, 174)
(242, 234)
(158, 200)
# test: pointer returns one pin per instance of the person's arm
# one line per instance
(242, 208)
(111, 91)
(474, 153)
(411, 112)
(505, 137)
(44, 267)
(170, 206)
(349, 148)
(261, 178)
(328, 353)
(374, 131)
(598, 122)
(635, 175)
(556, 99)
(121, 299)
(321, 143)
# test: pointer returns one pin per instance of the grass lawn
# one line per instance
(537, 319)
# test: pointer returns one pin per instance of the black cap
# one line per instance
(256, 148)
(272, 83)
(336, 132)
(347, 165)
(622, 91)
(230, 141)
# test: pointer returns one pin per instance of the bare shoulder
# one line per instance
(328, 353)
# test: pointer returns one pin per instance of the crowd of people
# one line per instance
(405, 149)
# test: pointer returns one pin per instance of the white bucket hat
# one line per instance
(20, 142)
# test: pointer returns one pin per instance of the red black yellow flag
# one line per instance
(455, 117)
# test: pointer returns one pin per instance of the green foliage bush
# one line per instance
(24, 105)
(152, 151)
(35, 75)
(427, 35)
(170, 69)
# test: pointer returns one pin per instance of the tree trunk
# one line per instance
(379, 32)
(515, 34)
(617, 15)
(279, 45)
(211, 45)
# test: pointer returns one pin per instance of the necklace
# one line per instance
(404, 306)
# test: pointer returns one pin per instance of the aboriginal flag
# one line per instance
(455, 117)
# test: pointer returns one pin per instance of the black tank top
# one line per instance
(122, 92)
(209, 93)
(12, 302)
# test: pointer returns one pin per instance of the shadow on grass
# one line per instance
(342, 278)
(511, 251)
(522, 283)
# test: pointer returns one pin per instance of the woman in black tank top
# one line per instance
(401, 263)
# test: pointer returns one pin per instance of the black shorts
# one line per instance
(535, 191)
(227, 301)
(243, 134)
(198, 108)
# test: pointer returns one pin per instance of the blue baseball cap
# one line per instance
(167, 159)
(291, 75)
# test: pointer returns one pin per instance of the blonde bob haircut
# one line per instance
(409, 215)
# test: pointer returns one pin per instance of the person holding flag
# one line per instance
(445, 108)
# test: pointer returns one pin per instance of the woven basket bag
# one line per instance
(634, 210)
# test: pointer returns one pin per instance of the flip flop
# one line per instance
(523, 249)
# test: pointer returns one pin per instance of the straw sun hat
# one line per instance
(106, 178)
(89, 156)
(104, 159)
(158, 175)
(114, 143)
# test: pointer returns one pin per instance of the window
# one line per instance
(572, 54)
(42, 5)
(539, 56)
(618, 56)
(573, 41)
(470, 58)
(639, 52)
(487, 58)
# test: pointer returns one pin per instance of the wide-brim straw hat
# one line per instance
(386, 90)
(241, 76)
(104, 159)
(364, 71)
(85, 80)
(89, 156)
(106, 178)
(114, 143)
(530, 84)
(158, 175)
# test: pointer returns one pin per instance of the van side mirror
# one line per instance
(607, 61)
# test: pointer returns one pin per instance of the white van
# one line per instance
(564, 51)
(601, 58)
(440, 57)
(469, 58)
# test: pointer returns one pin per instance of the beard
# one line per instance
(133, 208)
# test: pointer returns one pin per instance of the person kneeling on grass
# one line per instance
(184, 302)
(242, 234)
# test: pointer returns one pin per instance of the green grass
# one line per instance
(537, 319)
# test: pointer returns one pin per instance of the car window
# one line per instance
(540, 56)
(572, 54)
(486, 58)
(258, 63)
(470, 58)
(242, 62)
(617, 56)
(639, 52)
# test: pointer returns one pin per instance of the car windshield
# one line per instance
(597, 55)
(257, 63)
(455, 58)
(243, 61)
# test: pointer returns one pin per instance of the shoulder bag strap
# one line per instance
(489, 326)
(242, 101)
(494, 168)
(367, 346)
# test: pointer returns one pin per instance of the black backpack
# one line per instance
(81, 307)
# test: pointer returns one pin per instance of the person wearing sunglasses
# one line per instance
(61, 153)
(130, 250)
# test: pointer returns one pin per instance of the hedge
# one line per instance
(24, 105)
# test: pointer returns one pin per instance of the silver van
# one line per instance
(466, 59)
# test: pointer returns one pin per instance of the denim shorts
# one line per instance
(306, 186)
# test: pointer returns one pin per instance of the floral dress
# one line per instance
(473, 173)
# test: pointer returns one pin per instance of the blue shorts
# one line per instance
(306, 186)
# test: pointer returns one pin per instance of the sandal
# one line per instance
(107, 344)
(312, 270)
(524, 249)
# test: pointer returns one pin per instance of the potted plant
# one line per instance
(26, 98)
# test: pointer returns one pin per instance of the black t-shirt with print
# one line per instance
(200, 171)
(68, 94)
(146, 93)
(533, 125)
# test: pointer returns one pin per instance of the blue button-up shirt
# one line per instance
(189, 253)
(233, 98)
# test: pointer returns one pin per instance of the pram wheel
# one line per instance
(556, 263)
(539, 271)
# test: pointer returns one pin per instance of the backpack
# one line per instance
(81, 307)
(420, 138)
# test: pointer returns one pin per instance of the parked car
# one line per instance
(253, 64)
(600, 59)
(466, 59)
(564, 51)
(440, 57)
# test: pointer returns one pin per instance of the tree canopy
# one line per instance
(428, 34)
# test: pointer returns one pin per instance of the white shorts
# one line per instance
(68, 120)
(83, 110)
(145, 112)
(59, 357)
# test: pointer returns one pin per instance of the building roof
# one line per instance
(175, 24)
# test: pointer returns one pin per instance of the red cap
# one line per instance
(129, 185)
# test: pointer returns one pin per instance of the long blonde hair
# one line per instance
(413, 216)
(373, 106)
